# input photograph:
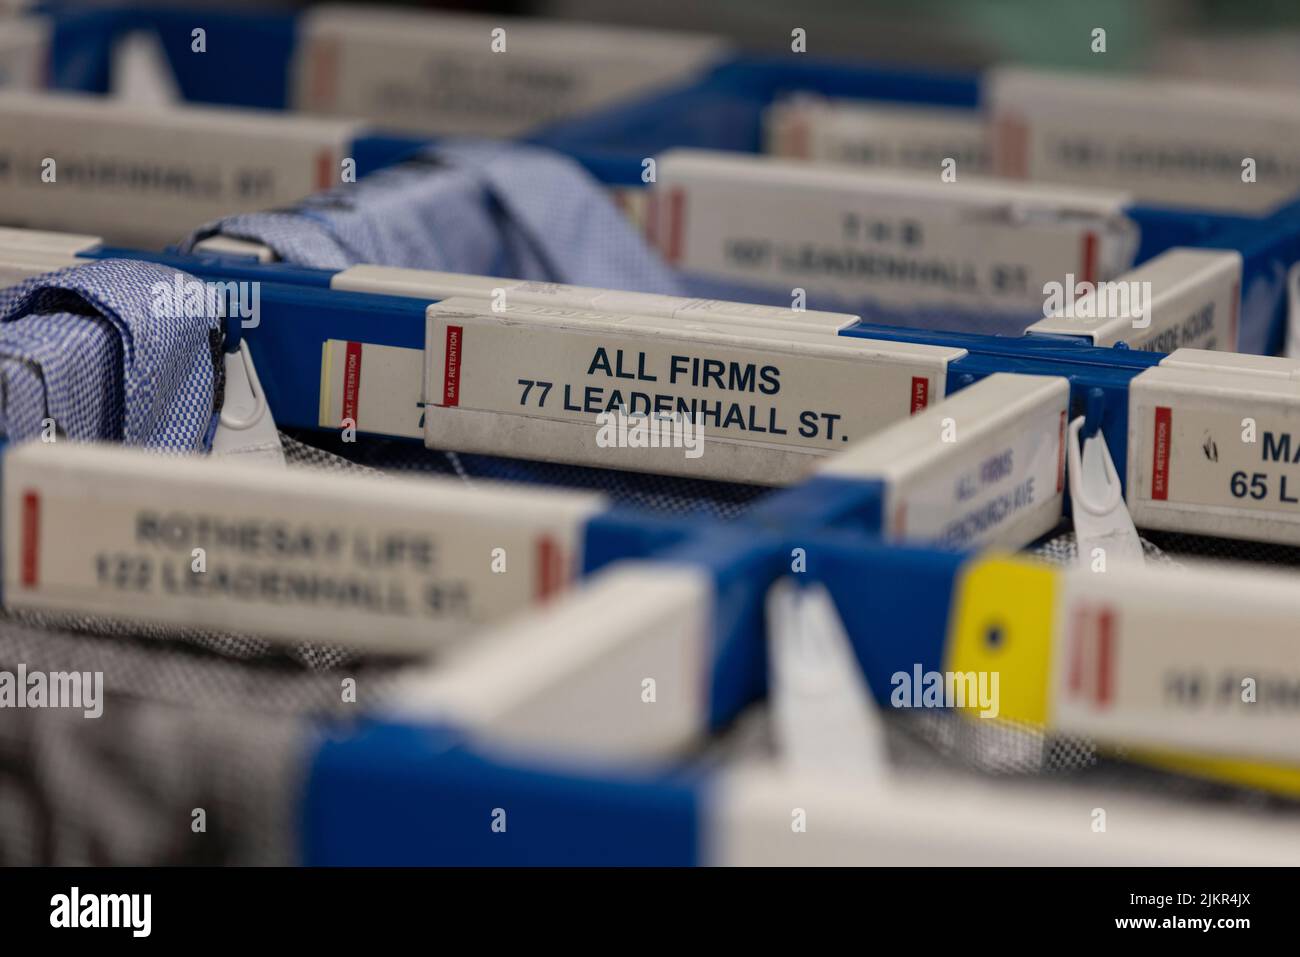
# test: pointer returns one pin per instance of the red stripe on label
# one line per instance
(1161, 439)
(1105, 656)
(324, 71)
(451, 367)
(676, 224)
(1089, 268)
(1092, 654)
(651, 227)
(800, 138)
(324, 169)
(550, 568)
(1013, 147)
(1232, 320)
(31, 538)
(351, 382)
(920, 393)
(1060, 454)
(1078, 636)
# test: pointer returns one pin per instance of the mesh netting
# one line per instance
(192, 720)
(201, 719)
(942, 741)
(658, 493)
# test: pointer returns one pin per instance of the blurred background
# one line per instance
(631, 103)
(1252, 42)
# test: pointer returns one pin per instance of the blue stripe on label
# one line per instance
(244, 62)
(825, 500)
(894, 601)
(297, 320)
(376, 151)
(221, 267)
(628, 533)
(741, 563)
(404, 795)
(1268, 248)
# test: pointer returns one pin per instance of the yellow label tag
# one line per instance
(1002, 622)
(1277, 778)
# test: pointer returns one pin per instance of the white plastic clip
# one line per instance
(823, 717)
(140, 72)
(1101, 519)
(246, 429)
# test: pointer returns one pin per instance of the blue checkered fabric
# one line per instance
(106, 352)
(494, 209)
